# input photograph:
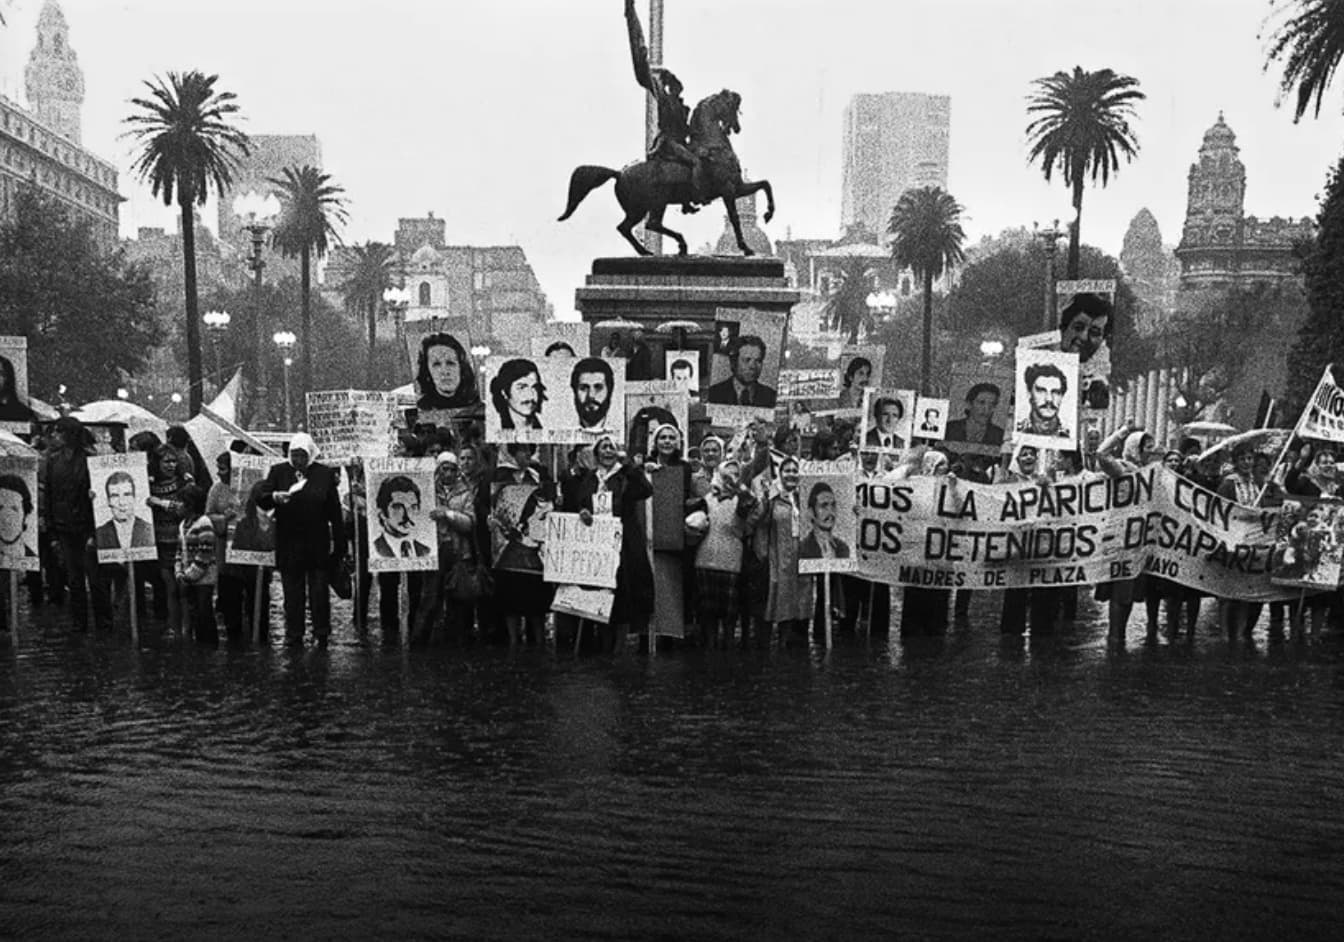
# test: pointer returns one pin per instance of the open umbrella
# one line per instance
(1261, 439)
(678, 328)
(135, 418)
(11, 446)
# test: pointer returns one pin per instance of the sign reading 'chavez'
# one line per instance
(950, 533)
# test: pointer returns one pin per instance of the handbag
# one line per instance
(339, 578)
(469, 581)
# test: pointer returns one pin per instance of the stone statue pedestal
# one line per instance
(651, 290)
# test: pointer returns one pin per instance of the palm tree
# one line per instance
(847, 309)
(1310, 42)
(927, 239)
(312, 204)
(187, 145)
(1083, 127)
(363, 289)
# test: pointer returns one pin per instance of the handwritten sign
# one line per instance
(352, 423)
(582, 554)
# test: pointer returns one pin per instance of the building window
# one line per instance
(424, 294)
(905, 287)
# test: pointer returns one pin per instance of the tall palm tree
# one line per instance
(927, 239)
(312, 205)
(187, 145)
(1082, 128)
(1310, 41)
(363, 289)
(847, 308)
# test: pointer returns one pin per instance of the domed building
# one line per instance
(751, 231)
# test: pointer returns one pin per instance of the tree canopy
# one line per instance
(1321, 337)
(89, 316)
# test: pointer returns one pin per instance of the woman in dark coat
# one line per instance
(619, 488)
(309, 535)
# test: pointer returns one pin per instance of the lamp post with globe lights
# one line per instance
(1050, 239)
(397, 300)
(257, 214)
(285, 340)
(217, 325)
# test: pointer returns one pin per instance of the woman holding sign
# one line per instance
(789, 600)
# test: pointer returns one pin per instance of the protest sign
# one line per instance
(554, 400)
(18, 513)
(807, 384)
(888, 419)
(1309, 544)
(930, 418)
(649, 404)
(1046, 411)
(576, 553)
(562, 339)
(251, 538)
(15, 413)
(399, 496)
(859, 368)
(585, 602)
(947, 533)
(518, 515)
(982, 391)
(444, 375)
(744, 370)
(351, 423)
(683, 368)
(830, 521)
(1324, 415)
(123, 523)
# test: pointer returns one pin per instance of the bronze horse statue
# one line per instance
(645, 189)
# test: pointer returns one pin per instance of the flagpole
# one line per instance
(1297, 430)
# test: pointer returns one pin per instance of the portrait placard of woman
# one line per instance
(444, 376)
(517, 393)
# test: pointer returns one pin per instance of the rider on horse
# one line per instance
(673, 115)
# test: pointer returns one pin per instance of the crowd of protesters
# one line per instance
(724, 522)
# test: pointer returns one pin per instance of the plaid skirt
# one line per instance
(716, 593)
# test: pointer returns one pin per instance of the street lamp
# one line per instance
(397, 300)
(123, 393)
(1050, 237)
(285, 340)
(479, 353)
(257, 214)
(216, 324)
(989, 349)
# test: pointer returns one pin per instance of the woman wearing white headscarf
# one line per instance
(777, 521)
(309, 535)
(670, 475)
(1139, 450)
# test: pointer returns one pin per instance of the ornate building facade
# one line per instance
(493, 286)
(1220, 245)
(41, 145)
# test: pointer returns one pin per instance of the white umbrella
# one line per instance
(1209, 428)
(117, 411)
(1262, 439)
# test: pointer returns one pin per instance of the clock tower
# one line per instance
(53, 79)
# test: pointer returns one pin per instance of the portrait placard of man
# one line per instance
(886, 421)
(17, 536)
(1047, 413)
(831, 521)
(592, 382)
(518, 394)
(822, 542)
(126, 529)
(398, 505)
(932, 416)
(746, 360)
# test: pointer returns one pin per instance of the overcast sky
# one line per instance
(477, 110)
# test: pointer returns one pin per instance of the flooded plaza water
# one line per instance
(955, 787)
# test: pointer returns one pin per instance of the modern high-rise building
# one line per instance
(40, 146)
(894, 141)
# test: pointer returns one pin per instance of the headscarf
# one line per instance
(934, 462)
(304, 442)
(1133, 450)
(653, 439)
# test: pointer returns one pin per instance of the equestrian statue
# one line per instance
(691, 162)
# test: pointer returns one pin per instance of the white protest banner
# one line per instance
(554, 400)
(15, 413)
(1324, 416)
(582, 554)
(123, 523)
(807, 384)
(831, 523)
(251, 538)
(401, 534)
(585, 602)
(946, 533)
(352, 423)
(744, 370)
(18, 513)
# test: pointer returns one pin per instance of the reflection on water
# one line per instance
(950, 787)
